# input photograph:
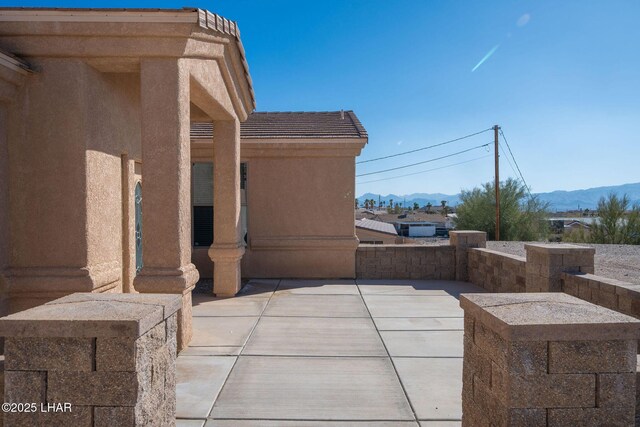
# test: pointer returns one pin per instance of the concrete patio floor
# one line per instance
(325, 352)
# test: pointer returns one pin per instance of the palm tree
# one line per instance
(416, 206)
(429, 205)
(445, 210)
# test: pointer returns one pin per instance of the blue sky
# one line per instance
(563, 81)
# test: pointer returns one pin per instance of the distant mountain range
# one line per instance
(558, 200)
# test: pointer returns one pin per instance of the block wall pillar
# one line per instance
(462, 241)
(547, 262)
(546, 359)
(99, 359)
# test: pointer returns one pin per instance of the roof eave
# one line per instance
(15, 64)
(200, 17)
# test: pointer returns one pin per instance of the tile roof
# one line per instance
(272, 125)
(383, 227)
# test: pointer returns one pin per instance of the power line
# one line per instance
(424, 148)
(426, 161)
(425, 171)
(508, 160)
(516, 163)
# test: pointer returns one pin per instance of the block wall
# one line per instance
(610, 293)
(546, 383)
(116, 381)
(405, 262)
(497, 271)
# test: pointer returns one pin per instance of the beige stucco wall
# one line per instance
(300, 217)
(47, 167)
(4, 212)
(365, 235)
(66, 179)
(48, 183)
(118, 133)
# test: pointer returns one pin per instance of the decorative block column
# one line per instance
(547, 359)
(547, 262)
(462, 240)
(93, 360)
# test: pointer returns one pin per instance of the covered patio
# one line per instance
(325, 352)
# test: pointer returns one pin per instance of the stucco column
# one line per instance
(227, 248)
(166, 180)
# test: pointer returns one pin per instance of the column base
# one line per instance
(226, 269)
(172, 281)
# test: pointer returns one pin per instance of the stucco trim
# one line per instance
(99, 15)
(342, 147)
(296, 243)
(21, 280)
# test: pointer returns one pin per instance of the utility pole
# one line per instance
(496, 128)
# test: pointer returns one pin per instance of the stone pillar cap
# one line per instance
(553, 316)
(92, 315)
(557, 248)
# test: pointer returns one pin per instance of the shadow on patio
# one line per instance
(301, 352)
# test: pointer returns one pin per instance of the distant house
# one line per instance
(575, 225)
(376, 232)
(416, 228)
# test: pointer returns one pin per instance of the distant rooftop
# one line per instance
(380, 226)
(278, 125)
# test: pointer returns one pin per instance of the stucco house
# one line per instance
(131, 161)
(297, 172)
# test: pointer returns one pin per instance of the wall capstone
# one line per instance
(546, 359)
(110, 356)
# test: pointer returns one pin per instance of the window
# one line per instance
(202, 198)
